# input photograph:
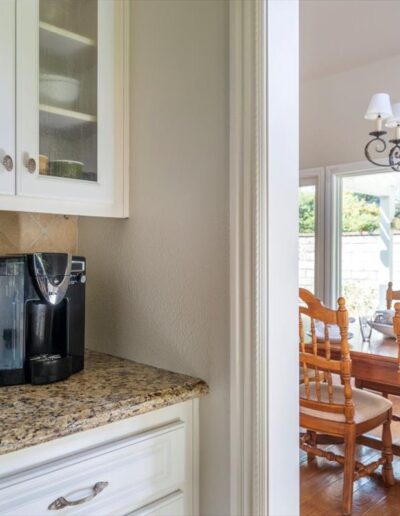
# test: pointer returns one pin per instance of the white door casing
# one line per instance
(264, 257)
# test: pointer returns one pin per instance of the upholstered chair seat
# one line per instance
(366, 404)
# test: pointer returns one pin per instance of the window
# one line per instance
(311, 237)
(349, 234)
(369, 237)
(307, 226)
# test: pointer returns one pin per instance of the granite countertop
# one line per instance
(109, 389)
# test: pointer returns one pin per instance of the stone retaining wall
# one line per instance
(361, 262)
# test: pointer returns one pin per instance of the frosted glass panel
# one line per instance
(68, 89)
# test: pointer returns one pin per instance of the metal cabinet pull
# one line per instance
(8, 163)
(31, 165)
(62, 502)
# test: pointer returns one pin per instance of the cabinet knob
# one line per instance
(31, 165)
(8, 163)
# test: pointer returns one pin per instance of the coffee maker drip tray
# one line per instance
(43, 357)
(47, 368)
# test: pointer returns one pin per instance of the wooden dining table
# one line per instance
(375, 361)
(374, 364)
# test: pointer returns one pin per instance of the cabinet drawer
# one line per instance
(138, 470)
(171, 505)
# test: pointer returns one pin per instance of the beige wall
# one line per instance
(30, 232)
(158, 285)
(332, 109)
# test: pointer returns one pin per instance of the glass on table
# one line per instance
(366, 321)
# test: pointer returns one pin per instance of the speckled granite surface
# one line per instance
(108, 390)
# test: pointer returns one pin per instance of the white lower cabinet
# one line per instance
(173, 504)
(147, 468)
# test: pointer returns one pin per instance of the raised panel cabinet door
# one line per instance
(67, 80)
(7, 97)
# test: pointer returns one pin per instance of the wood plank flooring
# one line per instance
(322, 481)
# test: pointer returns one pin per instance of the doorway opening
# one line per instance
(349, 230)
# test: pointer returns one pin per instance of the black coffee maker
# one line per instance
(42, 317)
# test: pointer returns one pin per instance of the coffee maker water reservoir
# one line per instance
(12, 349)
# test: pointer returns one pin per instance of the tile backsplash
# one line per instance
(30, 232)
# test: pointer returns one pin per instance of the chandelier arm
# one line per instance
(394, 155)
(377, 140)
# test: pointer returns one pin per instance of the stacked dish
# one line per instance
(58, 90)
(383, 322)
(65, 168)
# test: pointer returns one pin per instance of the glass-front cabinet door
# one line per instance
(68, 74)
(68, 89)
(7, 97)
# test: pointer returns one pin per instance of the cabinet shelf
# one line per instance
(60, 118)
(61, 42)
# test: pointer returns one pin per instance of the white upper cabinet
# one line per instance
(7, 97)
(67, 83)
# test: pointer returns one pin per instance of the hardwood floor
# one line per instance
(322, 481)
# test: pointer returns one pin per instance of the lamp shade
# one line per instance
(394, 120)
(379, 105)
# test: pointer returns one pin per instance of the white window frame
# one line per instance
(315, 177)
(333, 206)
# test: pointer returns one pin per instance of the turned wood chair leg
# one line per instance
(312, 441)
(394, 416)
(349, 468)
(387, 453)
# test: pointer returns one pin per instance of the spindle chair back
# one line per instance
(391, 295)
(316, 358)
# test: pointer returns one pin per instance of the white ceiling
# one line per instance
(337, 35)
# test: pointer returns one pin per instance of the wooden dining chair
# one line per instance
(394, 295)
(337, 409)
(391, 295)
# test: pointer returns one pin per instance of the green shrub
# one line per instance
(361, 297)
(306, 212)
(360, 213)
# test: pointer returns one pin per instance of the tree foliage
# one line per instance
(360, 213)
(306, 212)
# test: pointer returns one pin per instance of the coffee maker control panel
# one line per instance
(78, 265)
(78, 271)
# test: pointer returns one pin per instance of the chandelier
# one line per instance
(380, 109)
